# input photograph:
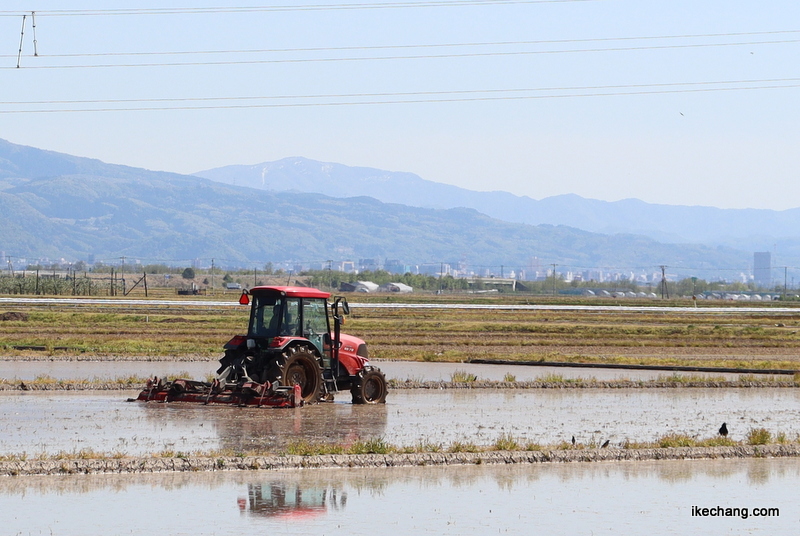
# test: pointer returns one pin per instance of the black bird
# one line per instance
(604, 445)
(573, 440)
(723, 430)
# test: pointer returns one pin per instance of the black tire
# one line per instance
(300, 365)
(230, 357)
(369, 387)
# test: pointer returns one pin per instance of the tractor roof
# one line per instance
(292, 292)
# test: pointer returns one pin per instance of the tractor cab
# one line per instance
(277, 316)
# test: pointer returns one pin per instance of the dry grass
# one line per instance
(504, 442)
(746, 340)
(759, 436)
(462, 376)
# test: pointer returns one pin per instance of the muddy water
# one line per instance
(399, 370)
(403, 370)
(35, 422)
(581, 498)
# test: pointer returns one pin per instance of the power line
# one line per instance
(302, 7)
(444, 45)
(416, 93)
(432, 97)
(405, 57)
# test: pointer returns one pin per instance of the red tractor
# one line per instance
(291, 355)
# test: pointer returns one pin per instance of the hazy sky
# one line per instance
(673, 101)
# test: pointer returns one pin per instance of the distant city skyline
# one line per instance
(668, 102)
(761, 274)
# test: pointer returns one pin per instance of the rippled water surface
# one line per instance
(561, 499)
(36, 422)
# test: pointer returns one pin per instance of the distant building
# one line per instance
(368, 265)
(762, 268)
(436, 269)
(396, 267)
(348, 267)
(359, 286)
(396, 287)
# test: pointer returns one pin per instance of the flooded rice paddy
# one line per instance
(577, 498)
(558, 499)
(52, 422)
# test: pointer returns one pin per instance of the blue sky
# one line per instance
(696, 104)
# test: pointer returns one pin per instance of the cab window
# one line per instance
(265, 318)
(291, 318)
(315, 321)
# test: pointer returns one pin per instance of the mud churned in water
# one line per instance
(110, 385)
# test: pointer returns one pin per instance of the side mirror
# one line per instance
(345, 307)
(244, 299)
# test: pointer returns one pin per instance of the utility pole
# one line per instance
(664, 289)
(554, 278)
(21, 36)
(212, 276)
(123, 275)
(785, 274)
(35, 46)
(255, 275)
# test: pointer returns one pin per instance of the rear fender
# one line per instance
(239, 341)
(281, 343)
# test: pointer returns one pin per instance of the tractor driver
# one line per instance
(290, 317)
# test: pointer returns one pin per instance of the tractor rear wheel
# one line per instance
(369, 387)
(300, 366)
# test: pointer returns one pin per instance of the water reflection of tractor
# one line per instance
(294, 353)
(289, 500)
(253, 430)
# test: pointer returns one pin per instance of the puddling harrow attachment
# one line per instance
(217, 392)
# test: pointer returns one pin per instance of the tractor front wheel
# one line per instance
(369, 387)
(301, 367)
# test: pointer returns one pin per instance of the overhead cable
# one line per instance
(417, 97)
(791, 81)
(301, 7)
(438, 45)
(408, 57)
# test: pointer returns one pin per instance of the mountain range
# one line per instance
(749, 229)
(300, 211)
